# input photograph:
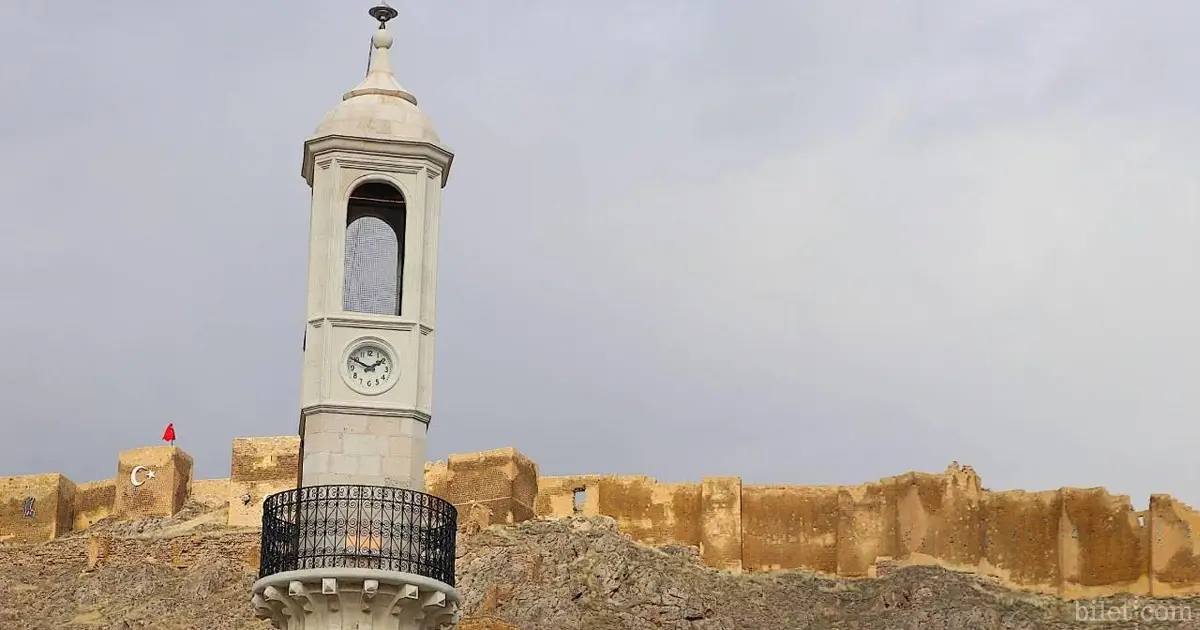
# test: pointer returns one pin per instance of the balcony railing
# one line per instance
(366, 527)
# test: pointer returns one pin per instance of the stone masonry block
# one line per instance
(354, 424)
(369, 465)
(259, 468)
(94, 501)
(384, 426)
(152, 481)
(340, 464)
(399, 446)
(316, 463)
(355, 444)
(721, 523)
(504, 480)
(323, 442)
(397, 468)
(35, 508)
(418, 453)
(321, 423)
(362, 480)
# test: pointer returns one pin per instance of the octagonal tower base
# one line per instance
(341, 598)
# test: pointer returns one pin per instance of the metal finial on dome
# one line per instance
(383, 13)
(379, 79)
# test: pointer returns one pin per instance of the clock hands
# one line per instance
(369, 368)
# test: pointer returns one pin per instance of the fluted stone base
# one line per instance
(326, 599)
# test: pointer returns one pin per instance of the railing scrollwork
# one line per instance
(371, 527)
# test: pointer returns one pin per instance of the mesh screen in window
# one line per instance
(372, 268)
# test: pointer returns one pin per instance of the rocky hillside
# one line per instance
(189, 572)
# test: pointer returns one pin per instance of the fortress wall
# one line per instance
(653, 512)
(258, 468)
(502, 480)
(790, 527)
(525, 487)
(93, 502)
(53, 502)
(866, 527)
(563, 496)
(1021, 535)
(939, 518)
(211, 493)
(721, 523)
(1103, 550)
(64, 508)
(1071, 542)
(161, 495)
(646, 510)
(1173, 528)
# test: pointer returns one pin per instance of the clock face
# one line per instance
(369, 368)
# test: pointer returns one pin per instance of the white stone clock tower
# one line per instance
(360, 544)
(376, 168)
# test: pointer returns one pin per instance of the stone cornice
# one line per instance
(381, 167)
(371, 149)
(369, 322)
(360, 409)
(353, 598)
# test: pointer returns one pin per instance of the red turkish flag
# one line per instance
(169, 434)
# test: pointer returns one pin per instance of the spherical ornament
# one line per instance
(381, 39)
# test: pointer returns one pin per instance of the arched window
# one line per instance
(374, 250)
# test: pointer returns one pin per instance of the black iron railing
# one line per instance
(368, 527)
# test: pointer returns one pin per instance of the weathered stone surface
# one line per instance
(189, 571)
(581, 573)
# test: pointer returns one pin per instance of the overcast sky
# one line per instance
(815, 242)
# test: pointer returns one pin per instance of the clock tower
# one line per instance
(359, 544)
(376, 168)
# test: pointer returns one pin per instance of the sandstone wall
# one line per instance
(651, 512)
(721, 523)
(867, 527)
(1074, 542)
(259, 468)
(152, 481)
(1172, 528)
(789, 527)
(210, 492)
(93, 502)
(35, 508)
(1070, 542)
(502, 480)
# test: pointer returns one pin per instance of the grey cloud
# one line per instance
(800, 242)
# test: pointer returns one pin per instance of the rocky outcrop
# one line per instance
(570, 574)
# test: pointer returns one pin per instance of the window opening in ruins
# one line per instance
(374, 259)
(1141, 521)
(580, 498)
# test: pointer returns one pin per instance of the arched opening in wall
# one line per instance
(374, 262)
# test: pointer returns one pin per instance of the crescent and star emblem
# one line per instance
(133, 476)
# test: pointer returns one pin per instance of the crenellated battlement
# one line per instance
(1070, 542)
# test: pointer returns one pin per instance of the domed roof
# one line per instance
(379, 107)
